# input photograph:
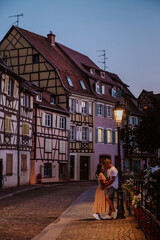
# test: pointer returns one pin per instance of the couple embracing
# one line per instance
(104, 196)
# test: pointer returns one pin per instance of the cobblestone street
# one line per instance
(27, 213)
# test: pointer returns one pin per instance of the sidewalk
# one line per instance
(77, 223)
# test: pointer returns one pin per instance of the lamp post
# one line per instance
(118, 115)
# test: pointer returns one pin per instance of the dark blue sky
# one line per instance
(129, 31)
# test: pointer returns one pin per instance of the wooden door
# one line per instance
(84, 167)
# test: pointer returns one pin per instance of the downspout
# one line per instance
(35, 132)
(18, 138)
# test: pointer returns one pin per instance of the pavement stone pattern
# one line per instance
(77, 223)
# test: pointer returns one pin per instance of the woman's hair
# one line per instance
(99, 169)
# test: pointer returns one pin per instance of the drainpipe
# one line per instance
(18, 138)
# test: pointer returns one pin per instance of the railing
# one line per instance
(147, 215)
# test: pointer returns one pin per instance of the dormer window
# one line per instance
(92, 71)
(100, 88)
(116, 93)
(69, 81)
(102, 74)
(52, 100)
(39, 97)
(82, 85)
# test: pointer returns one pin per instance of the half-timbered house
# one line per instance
(50, 152)
(40, 61)
(16, 115)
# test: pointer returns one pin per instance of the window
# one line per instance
(99, 109)
(133, 120)
(109, 136)
(99, 88)
(72, 105)
(35, 58)
(25, 129)
(48, 145)
(10, 87)
(9, 164)
(85, 133)
(52, 100)
(84, 107)
(7, 124)
(47, 170)
(108, 111)
(39, 97)
(69, 81)
(23, 162)
(102, 74)
(62, 148)
(100, 135)
(26, 101)
(92, 71)
(73, 133)
(116, 93)
(48, 119)
(82, 85)
(62, 122)
(103, 89)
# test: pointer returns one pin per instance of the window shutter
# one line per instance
(112, 92)
(103, 110)
(7, 124)
(31, 102)
(80, 106)
(119, 94)
(90, 108)
(6, 84)
(103, 89)
(68, 123)
(25, 129)
(77, 106)
(97, 105)
(80, 133)
(43, 119)
(77, 133)
(53, 171)
(105, 136)
(48, 145)
(54, 120)
(42, 171)
(136, 120)
(113, 136)
(63, 146)
(70, 104)
(96, 131)
(130, 120)
(90, 134)
(15, 85)
(58, 121)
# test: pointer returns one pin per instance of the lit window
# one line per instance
(109, 136)
(82, 85)
(69, 81)
(100, 135)
(25, 129)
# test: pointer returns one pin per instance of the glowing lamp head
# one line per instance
(118, 113)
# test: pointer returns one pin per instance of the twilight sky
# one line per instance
(129, 31)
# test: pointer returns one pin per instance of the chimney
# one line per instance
(51, 38)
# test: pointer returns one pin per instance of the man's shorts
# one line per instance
(110, 193)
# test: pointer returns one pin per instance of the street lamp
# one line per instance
(118, 115)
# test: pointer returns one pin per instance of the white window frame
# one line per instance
(72, 133)
(85, 133)
(92, 71)
(84, 107)
(62, 122)
(48, 120)
(39, 97)
(102, 74)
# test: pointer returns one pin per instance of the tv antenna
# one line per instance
(17, 16)
(103, 58)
